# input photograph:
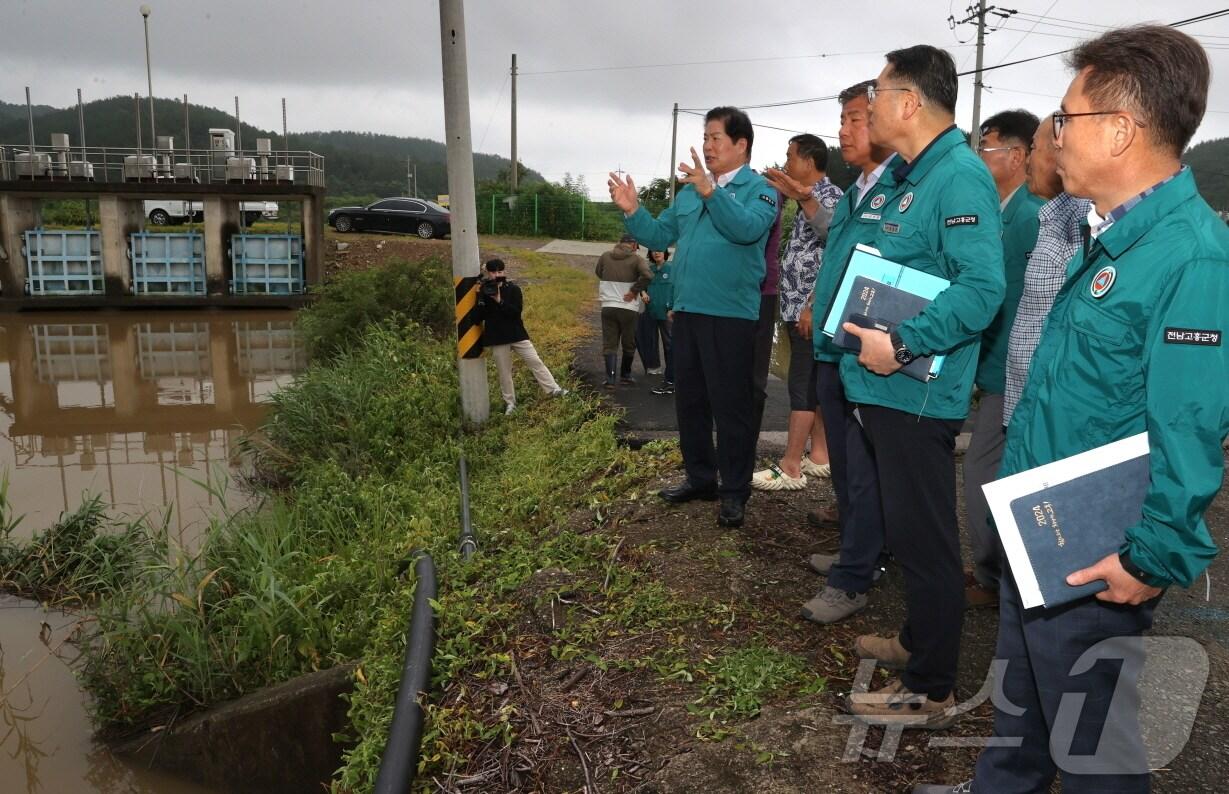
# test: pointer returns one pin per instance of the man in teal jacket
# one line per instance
(1005, 141)
(1133, 344)
(936, 211)
(720, 220)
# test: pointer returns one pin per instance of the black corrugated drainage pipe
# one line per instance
(400, 762)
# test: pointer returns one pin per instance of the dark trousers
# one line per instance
(916, 460)
(1041, 647)
(619, 331)
(648, 331)
(763, 359)
(712, 363)
(856, 482)
(981, 465)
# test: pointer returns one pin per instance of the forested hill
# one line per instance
(1210, 162)
(356, 163)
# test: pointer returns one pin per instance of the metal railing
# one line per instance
(101, 164)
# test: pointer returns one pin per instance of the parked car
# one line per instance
(165, 211)
(404, 215)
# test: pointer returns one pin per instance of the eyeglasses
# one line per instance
(984, 149)
(872, 90)
(1060, 118)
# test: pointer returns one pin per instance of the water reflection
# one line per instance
(144, 409)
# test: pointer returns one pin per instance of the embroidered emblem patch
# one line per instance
(878, 201)
(905, 202)
(1102, 282)
(1192, 336)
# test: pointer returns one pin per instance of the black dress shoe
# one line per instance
(732, 511)
(685, 492)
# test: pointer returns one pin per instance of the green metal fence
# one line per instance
(535, 215)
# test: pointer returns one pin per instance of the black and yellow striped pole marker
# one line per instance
(469, 326)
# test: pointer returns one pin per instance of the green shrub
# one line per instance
(412, 295)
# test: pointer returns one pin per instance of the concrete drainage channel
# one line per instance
(231, 746)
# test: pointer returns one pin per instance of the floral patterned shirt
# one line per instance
(804, 255)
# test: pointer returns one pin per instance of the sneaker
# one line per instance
(822, 563)
(832, 604)
(894, 704)
(886, 650)
(666, 387)
(559, 392)
(930, 788)
(773, 479)
(509, 409)
(813, 469)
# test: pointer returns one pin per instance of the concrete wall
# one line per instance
(221, 221)
(276, 740)
(118, 218)
(17, 215)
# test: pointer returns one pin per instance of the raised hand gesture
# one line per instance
(695, 174)
(623, 192)
(786, 185)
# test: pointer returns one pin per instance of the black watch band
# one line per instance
(902, 353)
(1130, 567)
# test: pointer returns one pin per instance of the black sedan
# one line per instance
(403, 215)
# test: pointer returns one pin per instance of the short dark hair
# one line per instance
(1158, 72)
(1014, 125)
(494, 265)
(737, 124)
(854, 91)
(811, 146)
(931, 71)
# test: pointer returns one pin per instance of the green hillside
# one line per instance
(356, 163)
(1210, 162)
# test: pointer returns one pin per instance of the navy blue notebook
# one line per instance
(1055, 529)
(873, 304)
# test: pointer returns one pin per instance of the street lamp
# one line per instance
(149, 80)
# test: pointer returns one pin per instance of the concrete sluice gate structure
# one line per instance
(118, 261)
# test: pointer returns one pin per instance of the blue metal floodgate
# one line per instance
(60, 262)
(166, 263)
(267, 264)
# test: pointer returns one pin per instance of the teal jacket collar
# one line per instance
(1018, 200)
(1127, 230)
(745, 173)
(915, 171)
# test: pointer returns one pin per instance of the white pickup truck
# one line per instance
(162, 212)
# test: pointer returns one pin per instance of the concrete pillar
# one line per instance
(132, 394)
(118, 218)
(229, 387)
(312, 217)
(221, 221)
(32, 397)
(17, 215)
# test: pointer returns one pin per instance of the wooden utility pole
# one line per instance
(475, 399)
(514, 160)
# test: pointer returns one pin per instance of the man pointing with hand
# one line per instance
(720, 220)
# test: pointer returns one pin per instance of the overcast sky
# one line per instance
(598, 78)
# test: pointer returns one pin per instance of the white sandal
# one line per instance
(773, 479)
(814, 469)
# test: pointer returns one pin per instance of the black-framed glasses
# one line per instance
(1060, 118)
(873, 90)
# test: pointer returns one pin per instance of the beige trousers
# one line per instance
(503, 364)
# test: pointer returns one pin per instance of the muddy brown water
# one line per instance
(145, 410)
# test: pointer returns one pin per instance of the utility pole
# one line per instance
(514, 161)
(471, 368)
(978, 15)
(674, 139)
(149, 81)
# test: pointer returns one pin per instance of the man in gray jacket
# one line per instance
(623, 275)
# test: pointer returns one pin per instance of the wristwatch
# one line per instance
(903, 355)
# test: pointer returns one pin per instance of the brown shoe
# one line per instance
(824, 518)
(896, 705)
(886, 650)
(977, 595)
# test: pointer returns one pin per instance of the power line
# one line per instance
(819, 55)
(692, 112)
(1030, 30)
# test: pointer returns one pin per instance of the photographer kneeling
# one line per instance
(503, 332)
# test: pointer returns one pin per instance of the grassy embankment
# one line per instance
(361, 462)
